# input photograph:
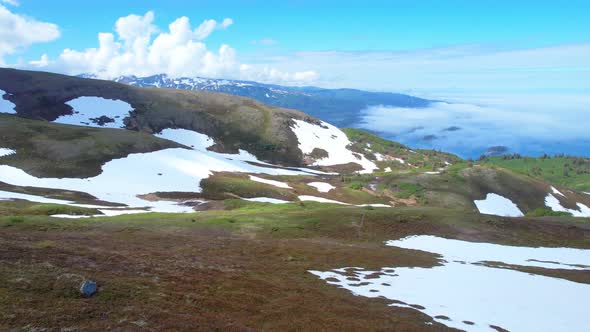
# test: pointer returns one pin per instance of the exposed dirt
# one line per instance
(185, 273)
(190, 279)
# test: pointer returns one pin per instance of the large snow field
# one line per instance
(498, 205)
(464, 289)
(87, 108)
(5, 105)
(177, 169)
(332, 140)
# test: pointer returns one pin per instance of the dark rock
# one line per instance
(88, 288)
(102, 120)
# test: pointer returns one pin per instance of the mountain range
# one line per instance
(341, 107)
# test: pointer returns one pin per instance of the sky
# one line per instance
(422, 46)
(489, 55)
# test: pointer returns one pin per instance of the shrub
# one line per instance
(356, 186)
(16, 220)
(542, 212)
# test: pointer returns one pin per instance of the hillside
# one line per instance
(184, 150)
(234, 122)
(200, 209)
(572, 172)
(57, 126)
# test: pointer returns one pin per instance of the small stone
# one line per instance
(88, 288)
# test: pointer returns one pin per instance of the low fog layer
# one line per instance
(530, 124)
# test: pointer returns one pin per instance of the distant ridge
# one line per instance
(340, 107)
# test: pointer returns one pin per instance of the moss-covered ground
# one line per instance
(241, 268)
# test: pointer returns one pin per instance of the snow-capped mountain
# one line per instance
(340, 107)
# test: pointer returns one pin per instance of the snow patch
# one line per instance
(388, 169)
(89, 110)
(319, 199)
(555, 191)
(331, 139)
(111, 213)
(510, 299)
(553, 203)
(322, 187)
(498, 205)
(6, 152)
(9, 196)
(326, 200)
(436, 172)
(189, 138)
(106, 213)
(5, 105)
(271, 182)
(400, 160)
(266, 200)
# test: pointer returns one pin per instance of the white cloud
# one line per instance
(208, 26)
(461, 67)
(11, 2)
(18, 32)
(139, 48)
(42, 62)
(526, 123)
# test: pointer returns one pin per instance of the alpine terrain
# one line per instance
(164, 203)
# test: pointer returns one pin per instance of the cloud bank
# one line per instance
(138, 48)
(17, 31)
(528, 124)
(474, 68)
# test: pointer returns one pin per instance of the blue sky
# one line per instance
(372, 41)
(337, 25)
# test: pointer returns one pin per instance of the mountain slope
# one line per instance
(175, 149)
(234, 122)
(340, 107)
(569, 171)
(46, 149)
(61, 128)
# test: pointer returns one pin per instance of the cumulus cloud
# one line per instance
(208, 26)
(138, 48)
(529, 124)
(18, 32)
